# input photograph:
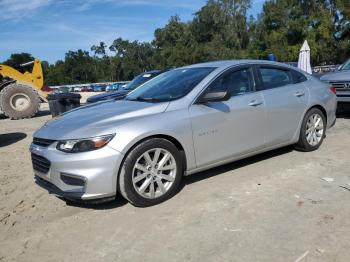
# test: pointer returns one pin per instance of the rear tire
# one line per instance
(312, 131)
(19, 101)
(151, 173)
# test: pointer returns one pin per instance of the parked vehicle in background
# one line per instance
(110, 88)
(340, 80)
(114, 87)
(184, 121)
(77, 89)
(62, 89)
(325, 69)
(136, 82)
(97, 88)
(86, 89)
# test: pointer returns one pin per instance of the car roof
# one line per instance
(151, 72)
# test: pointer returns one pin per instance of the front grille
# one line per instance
(42, 142)
(40, 163)
(341, 85)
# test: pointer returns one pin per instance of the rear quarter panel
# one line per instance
(320, 94)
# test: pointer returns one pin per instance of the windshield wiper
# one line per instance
(119, 97)
(145, 99)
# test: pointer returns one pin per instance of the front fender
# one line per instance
(179, 129)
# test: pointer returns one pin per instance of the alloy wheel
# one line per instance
(314, 129)
(154, 173)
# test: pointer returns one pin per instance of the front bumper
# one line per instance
(78, 176)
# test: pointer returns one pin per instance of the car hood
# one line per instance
(106, 96)
(97, 119)
(337, 76)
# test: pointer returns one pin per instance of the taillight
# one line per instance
(333, 90)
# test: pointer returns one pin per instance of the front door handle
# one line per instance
(299, 94)
(255, 103)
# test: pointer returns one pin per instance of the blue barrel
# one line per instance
(271, 57)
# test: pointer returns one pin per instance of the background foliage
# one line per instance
(219, 30)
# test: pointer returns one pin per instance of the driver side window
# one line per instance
(236, 82)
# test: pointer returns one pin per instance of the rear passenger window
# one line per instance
(274, 77)
(298, 77)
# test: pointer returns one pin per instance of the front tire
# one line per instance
(19, 101)
(151, 173)
(312, 131)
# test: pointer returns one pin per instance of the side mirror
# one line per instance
(214, 97)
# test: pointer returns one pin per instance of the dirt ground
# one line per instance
(283, 205)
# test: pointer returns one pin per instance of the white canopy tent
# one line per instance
(304, 58)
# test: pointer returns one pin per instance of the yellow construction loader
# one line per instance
(21, 94)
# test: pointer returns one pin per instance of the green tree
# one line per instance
(55, 74)
(99, 50)
(131, 57)
(285, 24)
(16, 60)
(174, 44)
(223, 20)
(79, 67)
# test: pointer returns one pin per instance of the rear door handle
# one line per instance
(255, 103)
(299, 94)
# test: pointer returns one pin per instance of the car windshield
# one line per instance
(139, 80)
(346, 65)
(170, 85)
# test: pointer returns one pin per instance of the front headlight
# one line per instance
(83, 145)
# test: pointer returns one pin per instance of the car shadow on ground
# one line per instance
(11, 138)
(119, 201)
(344, 114)
(343, 110)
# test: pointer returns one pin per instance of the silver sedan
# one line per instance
(183, 121)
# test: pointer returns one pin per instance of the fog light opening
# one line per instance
(72, 180)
